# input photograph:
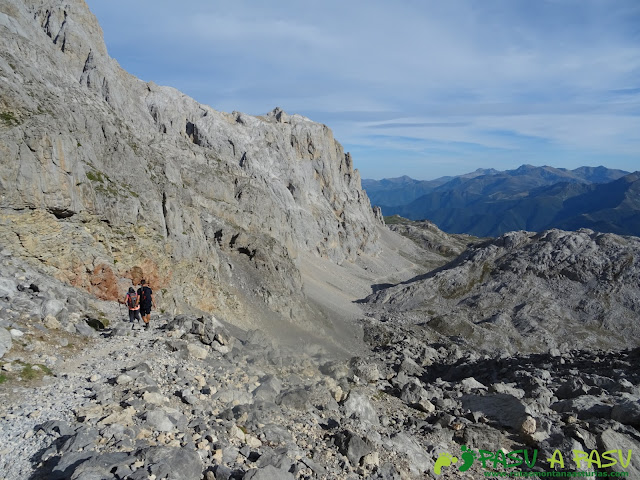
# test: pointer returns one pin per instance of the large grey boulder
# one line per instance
(52, 307)
(174, 463)
(267, 473)
(358, 406)
(417, 397)
(405, 445)
(5, 341)
(627, 412)
(616, 441)
(159, 421)
(507, 410)
(7, 288)
(353, 446)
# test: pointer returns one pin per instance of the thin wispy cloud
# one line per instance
(544, 80)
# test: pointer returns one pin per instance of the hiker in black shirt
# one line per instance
(146, 301)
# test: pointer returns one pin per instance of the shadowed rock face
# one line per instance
(530, 292)
(104, 177)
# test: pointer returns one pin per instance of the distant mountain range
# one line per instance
(490, 202)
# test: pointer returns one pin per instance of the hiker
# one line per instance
(146, 301)
(132, 300)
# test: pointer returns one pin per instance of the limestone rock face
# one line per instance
(106, 179)
(530, 292)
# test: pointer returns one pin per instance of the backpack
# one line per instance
(145, 295)
(132, 300)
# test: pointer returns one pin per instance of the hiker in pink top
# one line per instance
(132, 300)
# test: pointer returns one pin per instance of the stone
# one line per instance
(419, 462)
(470, 383)
(267, 473)
(159, 421)
(353, 447)
(197, 352)
(367, 372)
(265, 393)
(52, 308)
(154, 398)
(297, 399)
(612, 440)
(15, 333)
(584, 406)
(417, 397)
(124, 379)
(359, 407)
(627, 412)
(528, 426)
(174, 463)
(508, 410)
(371, 460)
(7, 288)
(5, 341)
(83, 329)
(410, 368)
(120, 416)
(51, 322)
(507, 389)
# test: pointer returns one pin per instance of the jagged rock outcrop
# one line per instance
(530, 292)
(105, 178)
(440, 247)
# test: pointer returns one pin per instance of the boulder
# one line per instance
(358, 406)
(353, 446)
(627, 412)
(507, 410)
(417, 397)
(5, 341)
(624, 447)
(267, 473)
(174, 463)
(159, 421)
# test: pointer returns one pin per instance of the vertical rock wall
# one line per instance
(102, 174)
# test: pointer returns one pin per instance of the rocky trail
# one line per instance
(188, 400)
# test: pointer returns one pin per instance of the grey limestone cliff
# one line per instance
(105, 178)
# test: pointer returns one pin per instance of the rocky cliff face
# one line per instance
(529, 292)
(105, 178)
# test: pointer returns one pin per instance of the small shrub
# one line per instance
(9, 118)
(30, 373)
(95, 177)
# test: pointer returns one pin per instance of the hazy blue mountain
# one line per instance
(390, 193)
(490, 202)
(404, 190)
(482, 209)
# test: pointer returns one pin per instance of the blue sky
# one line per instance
(423, 88)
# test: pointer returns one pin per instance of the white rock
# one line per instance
(155, 398)
(123, 379)
(51, 322)
(197, 351)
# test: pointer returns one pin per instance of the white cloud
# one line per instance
(498, 74)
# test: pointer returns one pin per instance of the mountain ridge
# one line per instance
(529, 198)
